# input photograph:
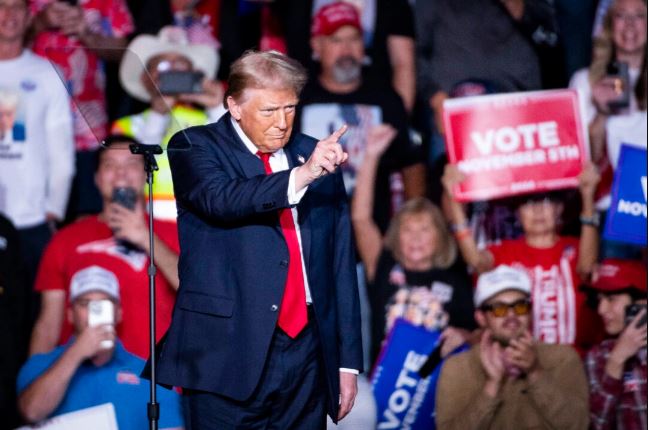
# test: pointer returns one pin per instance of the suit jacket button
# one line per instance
(283, 263)
(274, 308)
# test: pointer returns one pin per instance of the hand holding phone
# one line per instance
(633, 310)
(102, 313)
(620, 75)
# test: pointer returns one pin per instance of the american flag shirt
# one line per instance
(618, 404)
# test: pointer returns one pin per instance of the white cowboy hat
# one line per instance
(170, 39)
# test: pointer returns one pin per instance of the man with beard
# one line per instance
(508, 380)
(340, 95)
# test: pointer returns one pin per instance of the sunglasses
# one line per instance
(499, 309)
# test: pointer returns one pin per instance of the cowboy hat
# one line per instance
(169, 39)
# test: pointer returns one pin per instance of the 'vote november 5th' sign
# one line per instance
(516, 143)
(626, 219)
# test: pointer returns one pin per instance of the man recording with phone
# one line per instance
(508, 380)
(93, 368)
(617, 366)
(116, 238)
(176, 79)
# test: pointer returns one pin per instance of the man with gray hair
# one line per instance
(266, 326)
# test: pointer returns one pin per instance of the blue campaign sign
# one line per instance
(626, 219)
(403, 399)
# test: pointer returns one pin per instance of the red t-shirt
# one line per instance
(90, 242)
(82, 68)
(560, 312)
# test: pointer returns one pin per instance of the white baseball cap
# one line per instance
(94, 278)
(502, 278)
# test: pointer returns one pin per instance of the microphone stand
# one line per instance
(150, 165)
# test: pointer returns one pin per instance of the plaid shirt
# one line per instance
(616, 404)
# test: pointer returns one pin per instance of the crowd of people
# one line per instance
(550, 316)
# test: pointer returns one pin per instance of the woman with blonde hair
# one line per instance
(613, 90)
(413, 272)
(613, 95)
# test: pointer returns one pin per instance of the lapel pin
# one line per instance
(301, 159)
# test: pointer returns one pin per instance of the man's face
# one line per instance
(341, 54)
(7, 118)
(14, 20)
(611, 308)
(510, 326)
(166, 62)
(266, 116)
(78, 312)
(119, 168)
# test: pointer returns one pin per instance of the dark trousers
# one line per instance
(33, 241)
(290, 395)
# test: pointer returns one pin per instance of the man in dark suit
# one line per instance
(266, 327)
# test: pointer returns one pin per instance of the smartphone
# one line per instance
(175, 82)
(102, 312)
(632, 311)
(618, 71)
(125, 196)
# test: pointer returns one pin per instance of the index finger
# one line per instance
(336, 135)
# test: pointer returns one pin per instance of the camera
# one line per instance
(176, 82)
(125, 196)
(102, 312)
(618, 71)
(632, 311)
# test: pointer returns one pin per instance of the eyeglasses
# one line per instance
(629, 17)
(499, 309)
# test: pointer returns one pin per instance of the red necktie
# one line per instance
(292, 315)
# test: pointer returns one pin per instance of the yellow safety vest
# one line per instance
(181, 117)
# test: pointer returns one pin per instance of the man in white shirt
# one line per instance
(37, 152)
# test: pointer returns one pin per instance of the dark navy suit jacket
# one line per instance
(234, 260)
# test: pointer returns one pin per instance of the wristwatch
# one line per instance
(593, 220)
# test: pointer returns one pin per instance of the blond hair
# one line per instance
(267, 69)
(603, 53)
(446, 252)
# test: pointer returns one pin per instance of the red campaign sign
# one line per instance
(508, 144)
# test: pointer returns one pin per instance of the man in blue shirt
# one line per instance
(93, 368)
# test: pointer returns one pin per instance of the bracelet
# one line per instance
(592, 221)
(461, 235)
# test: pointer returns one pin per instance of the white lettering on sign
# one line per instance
(632, 208)
(554, 306)
(563, 153)
(509, 139)
(643, 186)
(400, 399)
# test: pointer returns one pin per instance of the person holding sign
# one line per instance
(556, 264)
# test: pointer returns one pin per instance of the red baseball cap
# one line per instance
(615, 275)
(331, 17)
